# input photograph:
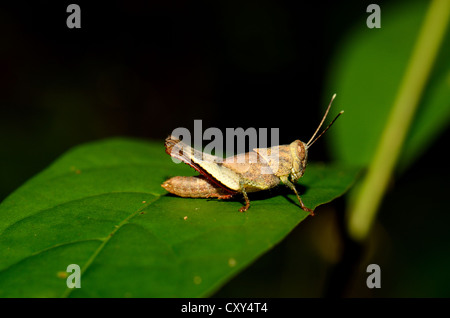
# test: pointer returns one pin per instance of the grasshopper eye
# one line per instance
(301, 150)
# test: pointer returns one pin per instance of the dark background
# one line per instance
(141, 69)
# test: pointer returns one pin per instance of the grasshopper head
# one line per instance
(299, 156)
(299, 149)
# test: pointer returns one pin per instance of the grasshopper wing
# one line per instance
(208, 165)
(254, 171)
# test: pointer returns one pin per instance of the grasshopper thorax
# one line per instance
(299, 156)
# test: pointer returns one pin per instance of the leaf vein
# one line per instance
(88, 263)
(72, 201)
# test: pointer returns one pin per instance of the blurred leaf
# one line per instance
(101, 206)
(366, 75)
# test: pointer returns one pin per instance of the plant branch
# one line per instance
(367, 201)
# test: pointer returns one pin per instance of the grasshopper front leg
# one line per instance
(286, 181)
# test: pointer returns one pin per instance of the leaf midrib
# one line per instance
(91, 259)
(72, 201)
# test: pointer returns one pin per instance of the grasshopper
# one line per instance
(224, 178)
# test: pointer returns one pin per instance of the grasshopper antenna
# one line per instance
(312, 140)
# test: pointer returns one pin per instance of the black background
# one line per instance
(144, 68)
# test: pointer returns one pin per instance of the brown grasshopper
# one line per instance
(224, 178)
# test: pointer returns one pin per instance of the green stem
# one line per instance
(364, 208)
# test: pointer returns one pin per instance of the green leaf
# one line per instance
(366, 73)
(101, 206)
